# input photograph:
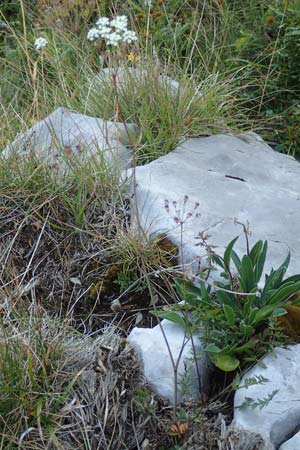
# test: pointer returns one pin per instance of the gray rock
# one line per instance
(280, 416)
(129, 74)
(154, 353)
(233, 179)
(64, 136)
(292, 444)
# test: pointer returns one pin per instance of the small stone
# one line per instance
(146, 445)
(154, 352)
(116, 306)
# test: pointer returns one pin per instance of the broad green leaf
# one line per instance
(294, 278)
(185, 287)
(227, 299)
(255, 252)
(252, 315)
(247, 330)
(259, 267)
(245, 347)
(173, 317)
(250, 299)
(279, 312)
(227, 362)
(227, 253)
(230, 315)
(285, 263)
(236, 260)
(274, 280)
(283, 293)
(263, 313)
(247, 278)
(212, 348)
(205, 291)
(218, 260)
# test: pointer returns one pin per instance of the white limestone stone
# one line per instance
(233, 179)
(292, 444)
(278, 419)
(65, 135)
(154, 353)
(129, 74)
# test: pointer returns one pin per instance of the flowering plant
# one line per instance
(40, 43)
(112, 31)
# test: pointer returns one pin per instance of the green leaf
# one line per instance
(185, 287)
(255, 252)
(274, 280)
(226, 299)
(283, 293)
(286, 263)
(262, 314)
(245, 347)
(261, 262)
(227, 362)
(247, 278)
(279, 312)
(227, 253)
(173, 317)
(216, 259)
(247, 330)
(236, 260)
(252, 315)
(294, 278)
(212, 348)
(250, 299)
(230, 315)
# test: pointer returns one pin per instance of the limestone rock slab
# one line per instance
(64, 135)
(278, 419)
(234, 179)
(292, 444)
(154, 353)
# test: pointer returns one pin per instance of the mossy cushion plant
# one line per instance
(237, 319)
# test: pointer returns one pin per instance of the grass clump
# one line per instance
(56, 385)
(33, 385)
(166, 111)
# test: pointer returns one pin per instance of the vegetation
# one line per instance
(75, 273)
(238, 319)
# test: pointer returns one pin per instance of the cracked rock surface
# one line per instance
(233, 179)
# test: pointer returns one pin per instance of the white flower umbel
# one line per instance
(93, 34)
(129, 37)
(113, 39)
(119, 23)
(114, 32)
(40, 43)
(103, 22)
